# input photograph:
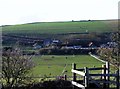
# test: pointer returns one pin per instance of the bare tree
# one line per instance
(112, 54)
(15, 66)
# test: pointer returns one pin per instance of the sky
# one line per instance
(28, 11)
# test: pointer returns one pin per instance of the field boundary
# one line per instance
(96, 57)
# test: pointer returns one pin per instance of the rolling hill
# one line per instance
(62, 27)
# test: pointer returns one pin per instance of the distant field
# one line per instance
(53, 65)
(61, 27)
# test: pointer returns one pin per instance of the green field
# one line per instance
(60, 27)
(47, 65)
(53, 65)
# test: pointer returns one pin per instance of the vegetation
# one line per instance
(56, 84)
(112, 54)
(15, 67)
(58, 27)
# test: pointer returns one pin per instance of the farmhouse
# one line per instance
(109, 45)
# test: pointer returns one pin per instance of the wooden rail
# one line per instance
(87, 77)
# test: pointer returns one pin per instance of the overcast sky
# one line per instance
(27, 11)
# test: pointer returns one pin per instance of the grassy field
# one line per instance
(53, 65)
(60, 27)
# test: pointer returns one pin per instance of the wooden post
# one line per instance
(86, 77)
(104, 77)
(108, 72)
(117, 79)
(74, 74)
(65, 77)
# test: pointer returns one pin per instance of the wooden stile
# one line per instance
(105, 77)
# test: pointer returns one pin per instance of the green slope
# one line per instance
(58, 27)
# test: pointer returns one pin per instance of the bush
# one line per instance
(56, 84)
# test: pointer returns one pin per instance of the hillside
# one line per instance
(61, 27)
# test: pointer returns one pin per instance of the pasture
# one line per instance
(59, 27)
(56, 65)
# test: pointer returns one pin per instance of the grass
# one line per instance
(53, 65)
(58, 27)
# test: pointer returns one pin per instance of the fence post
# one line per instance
(117, 79)
(86, 77)
(104, 77)
(74, 74)
(108, 72)
(65, 77)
